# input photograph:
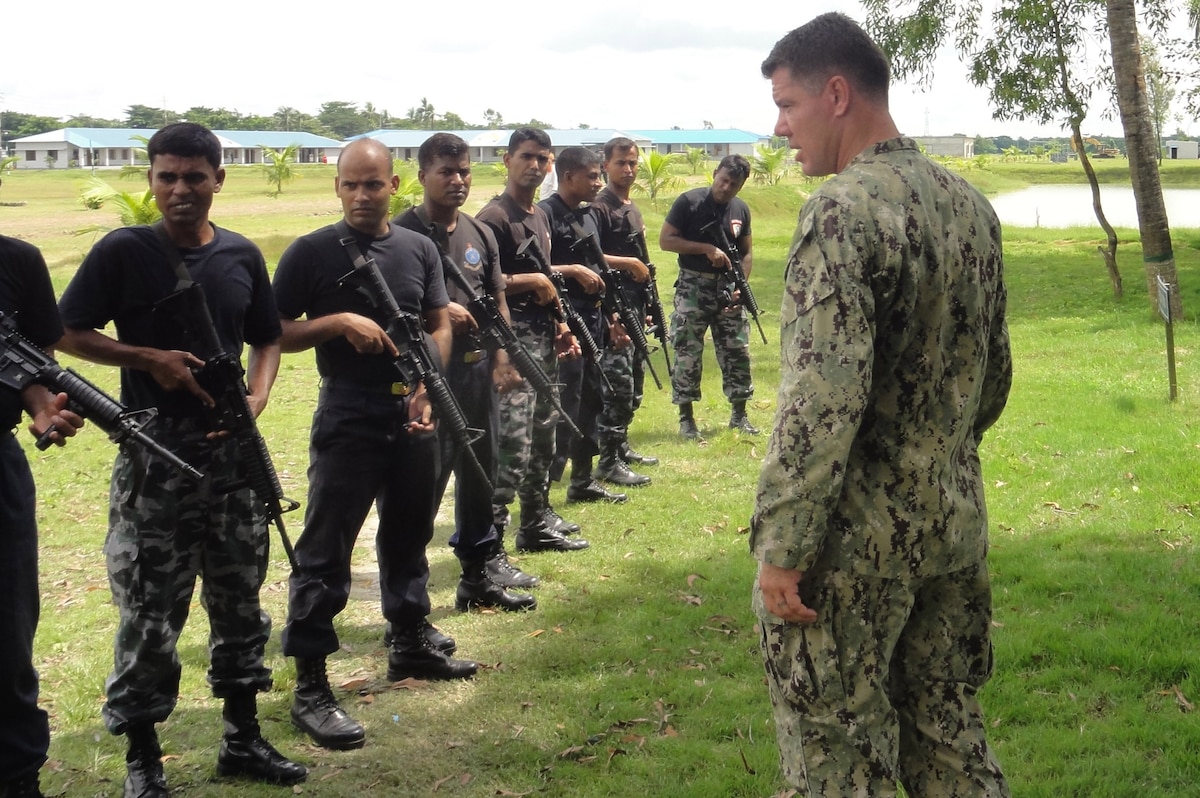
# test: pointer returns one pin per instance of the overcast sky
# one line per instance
(654, 65)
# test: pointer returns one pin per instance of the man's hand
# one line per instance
(420, 412)
(367, 337)
(461, 320)
(718, 258)
(55, 415)
(174, 370)
(505, 377)
(592, 283)
(618, 336)
(544, 291)
(565, 345)
(781, 594)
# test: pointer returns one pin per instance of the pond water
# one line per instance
(1069, 206)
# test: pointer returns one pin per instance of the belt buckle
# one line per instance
(399, 389)
(472, 357)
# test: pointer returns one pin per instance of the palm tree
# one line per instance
(654, 175)
(696, 157)
(770, 164)
(279, 166)
(410, 191)
(131, 208)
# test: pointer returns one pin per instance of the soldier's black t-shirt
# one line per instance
(512, 225)
(308, 282)
(694, 210)
(128, 272)
(621, 225)
(27, 297)
(564, 245)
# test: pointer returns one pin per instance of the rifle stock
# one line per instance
(22, 363)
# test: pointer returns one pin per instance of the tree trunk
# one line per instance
(1158, 257)
(1109, 253)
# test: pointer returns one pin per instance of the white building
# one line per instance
(1183, 150)
(101, 146)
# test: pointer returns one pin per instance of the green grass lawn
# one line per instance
(639, 674)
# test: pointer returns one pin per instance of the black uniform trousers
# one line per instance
(580, 392)
(475, 535)
(359, 453)
(24, 728)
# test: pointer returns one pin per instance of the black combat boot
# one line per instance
(738, 419)
(534, 535)
(245, 753)
(316, 712)
(687, 424)
(22, 787)
(504, 573)
(476, 589)
(612, 468)
(437, 638)
(143, 763)
(636, 458)
(412, 656)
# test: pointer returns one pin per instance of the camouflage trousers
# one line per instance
(623, 397)
(697, 310)
(525, 436)
(882, 689)
(164, 531)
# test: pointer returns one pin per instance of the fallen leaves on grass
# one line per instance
(462, 778)
(1184, 704)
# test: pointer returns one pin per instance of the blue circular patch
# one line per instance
(472, 255)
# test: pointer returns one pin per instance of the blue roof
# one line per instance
(275, 139)
(704, 136)
(574, 137)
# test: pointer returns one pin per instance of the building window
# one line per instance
(31, 155)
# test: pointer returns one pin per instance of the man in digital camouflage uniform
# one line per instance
(869, 525)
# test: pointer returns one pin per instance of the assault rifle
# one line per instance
(614, 295)
(563, 310)
(736, 275)
(223, 377)
(23, 363)
(654, 305)
(415, 362)
(495, 327)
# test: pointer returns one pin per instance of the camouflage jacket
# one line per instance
(895, 359)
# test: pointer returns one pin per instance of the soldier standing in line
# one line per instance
(27, 297)
(619, 222)
(701, 302)
(165, 530)
(527, 421)
(474, 374)
(372, 440)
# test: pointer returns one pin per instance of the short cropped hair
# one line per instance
(574, 159)
(524, 134)
(618, 144)
(186, 140)
(441, 145)
(736, 166)
(828, 45)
